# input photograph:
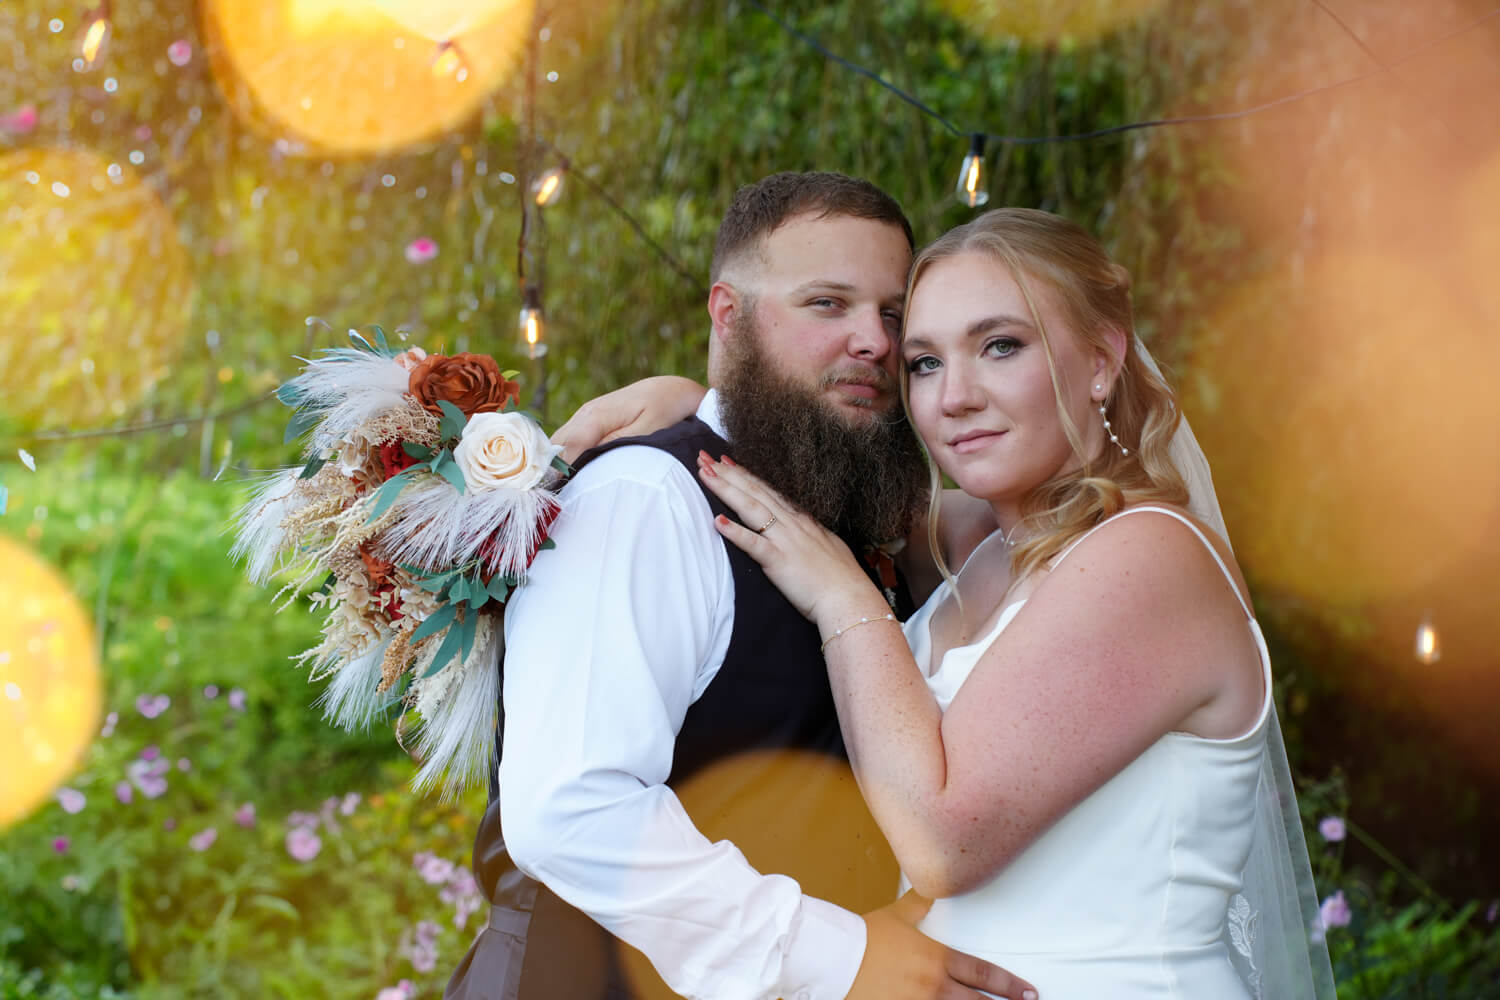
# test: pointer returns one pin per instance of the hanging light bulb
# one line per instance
(533, 325)
(970, 187)
(1428, 649)
(448, 60)
(547, 188)
(94, 35)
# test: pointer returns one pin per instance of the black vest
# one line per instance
(764, 741)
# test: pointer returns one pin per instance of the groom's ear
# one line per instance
(724, 303)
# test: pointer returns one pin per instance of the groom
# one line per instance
(649, 664)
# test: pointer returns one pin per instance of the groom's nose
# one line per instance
(868, 338)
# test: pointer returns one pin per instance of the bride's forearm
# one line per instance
(893, 731)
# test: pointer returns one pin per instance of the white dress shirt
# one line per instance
(617, 631)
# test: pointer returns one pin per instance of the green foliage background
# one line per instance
(667, 106)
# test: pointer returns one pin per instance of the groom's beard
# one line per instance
(865, 481)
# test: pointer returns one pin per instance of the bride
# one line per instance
(1073, 747)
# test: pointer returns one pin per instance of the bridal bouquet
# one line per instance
(423, 498)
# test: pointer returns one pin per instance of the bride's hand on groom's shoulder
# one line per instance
(809, 564)
(902, 963)
(639, 408)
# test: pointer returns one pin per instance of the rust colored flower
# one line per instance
(471, 382)
(378, 569)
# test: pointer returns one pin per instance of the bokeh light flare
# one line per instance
(49, 681)
(358, 76)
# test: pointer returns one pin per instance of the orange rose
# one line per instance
(471, 382)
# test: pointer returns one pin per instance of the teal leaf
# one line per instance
(459, 592)
(547, 543)
(436, 622)
(450, 471)
(561, 466)
(386, 495)
(466, 635)
(453, 420)
(499, 589)
(452, 642)
(302, 421)
(380, 341)
(416, 450)
(313, 465)
(359, 341)
(290, 394)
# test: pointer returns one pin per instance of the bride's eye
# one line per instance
(922, 365)
(1001, 347)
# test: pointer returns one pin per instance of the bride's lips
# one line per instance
(971, 441)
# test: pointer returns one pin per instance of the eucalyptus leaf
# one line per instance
(508, 375)
(561, 466)
(466, 633)
(436, 622)
(313, 465)
(450, 471)
(386, 495)
(302, 421)
(452, 642)
(380, 341)
(359, 341)
(453, 420)
(499, 589)
(416, 450)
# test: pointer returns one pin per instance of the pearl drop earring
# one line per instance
(1104, 415)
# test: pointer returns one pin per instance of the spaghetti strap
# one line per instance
(1195, 529)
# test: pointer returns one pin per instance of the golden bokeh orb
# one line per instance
(1351, 425)
(49, 681)
(96, 289)
(362, 76)
(1041, 22)
(834, 850)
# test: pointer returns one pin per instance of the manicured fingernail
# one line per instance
(729, 461)
(704, 456)
(1028, 995)
(708, 470)
(721, 519)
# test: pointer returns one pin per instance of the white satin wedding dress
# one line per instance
(1134, 893)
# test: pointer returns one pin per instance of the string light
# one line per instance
(547, 188)
(448, 60)
(1429, 651)
(94, 35)
(970, 189)
(533, 325)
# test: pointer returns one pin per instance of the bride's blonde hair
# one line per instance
(1048, 254)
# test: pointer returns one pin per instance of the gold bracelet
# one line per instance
(863, 621)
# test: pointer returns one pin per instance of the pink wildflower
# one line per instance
(245, 815)
(1332, 828)
(204, 839)
(237, 699)
(350, 803)
(302, 844)
(110, 722)
(432, 869)
(169, 824)
(152, 705)
(304, 820)
(403, 990)
(180, 52)
(124, 791)
(421, 250)
(149, 775)
(1335, 911)
(71, 800)
(150, 752)
(183, 764)
(210, 691)
(60, 844)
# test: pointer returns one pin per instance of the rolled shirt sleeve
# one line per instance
(617, 631)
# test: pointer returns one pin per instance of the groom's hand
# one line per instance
(902, 963)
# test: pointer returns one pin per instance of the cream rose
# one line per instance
(503, 451)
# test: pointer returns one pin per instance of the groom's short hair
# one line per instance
(759, 209)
